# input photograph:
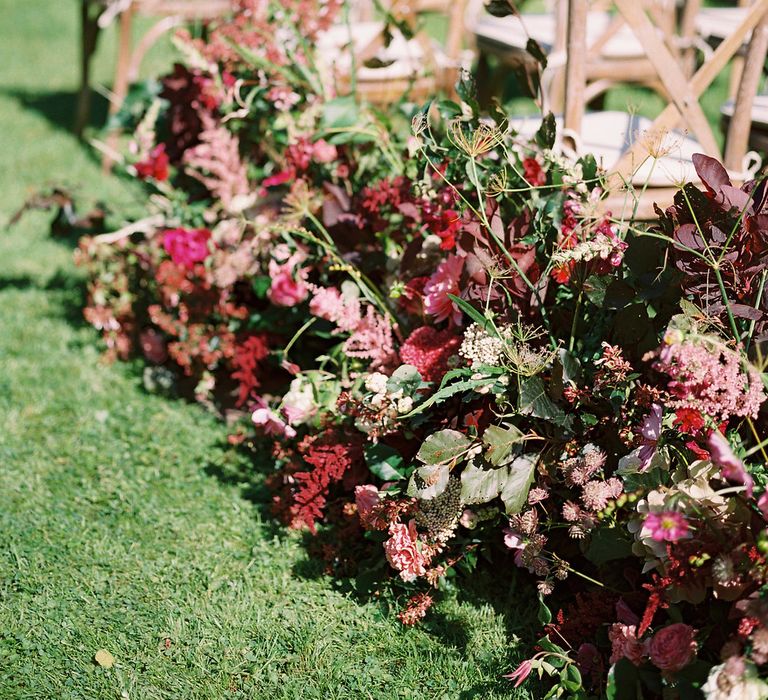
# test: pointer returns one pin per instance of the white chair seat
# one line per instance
(759, 111)
(403, 59)
(608, 135)
(719, 22)
(510, 32)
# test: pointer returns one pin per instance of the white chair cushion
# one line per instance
(608, 135)
(511, 32)
(759, 110)
(719, 22)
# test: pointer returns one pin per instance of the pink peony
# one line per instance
(404, 553)
(187, 246)
(366, 497)
(667, 526)
(626, 645)
(444, 281)
(673, 647)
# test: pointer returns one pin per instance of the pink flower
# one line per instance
(278, 178)
(673, 647)
(366, 497)
(404, 553)
(187, 246)
(444, 281)
(667, 526)
(324, 152)
(626, 645)
(520, 673)
(271, 423)
(289, 286)
(762, 504)
(731, 467)
(651, 432)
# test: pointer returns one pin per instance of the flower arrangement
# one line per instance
(456, 357)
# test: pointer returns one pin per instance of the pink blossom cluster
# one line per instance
(710, 381)
(370, 333)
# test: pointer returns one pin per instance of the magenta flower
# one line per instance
(669, 526)
(187, 246)
(520, 673)
(444, 281)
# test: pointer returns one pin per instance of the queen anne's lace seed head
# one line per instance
(480, 347)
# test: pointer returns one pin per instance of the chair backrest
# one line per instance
(683, 91)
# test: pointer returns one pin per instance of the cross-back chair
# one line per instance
(169, 15)
(650, 155)
(417, 67)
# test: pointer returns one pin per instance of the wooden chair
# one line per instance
(649, 155)
(416, 67)
(614, 53)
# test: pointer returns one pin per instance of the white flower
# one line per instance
(405, 404)
(376, 383)
(722, 686)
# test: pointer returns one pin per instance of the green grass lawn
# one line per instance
(116, 532)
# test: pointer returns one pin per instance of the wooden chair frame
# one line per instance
(684, 92)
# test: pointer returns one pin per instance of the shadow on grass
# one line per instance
(59, 106)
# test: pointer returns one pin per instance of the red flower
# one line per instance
(155, 166)
(533, 172)
(689, 420)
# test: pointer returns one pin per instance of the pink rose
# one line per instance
(673, 647)
(187, 246)
(323, 152)
(625, 644)
(366, 497)
(403, 552)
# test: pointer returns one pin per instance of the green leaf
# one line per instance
(384, 461)
(443, 446)
(448, 391)
(429, 481)
(570, 364)
(608, 544)
(470, 310)
(500, 442)
(515, 490)
(622, 681)
(533, 48)
(534, 400)
(340, 113)
(547, 132)
(480, 485)
(595, 287)
(405, 378)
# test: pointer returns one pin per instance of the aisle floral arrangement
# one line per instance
(457, 359)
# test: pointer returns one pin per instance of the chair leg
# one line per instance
(89, 28)
(120, 87)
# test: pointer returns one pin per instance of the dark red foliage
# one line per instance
(726, 223)
(332, 456)
(247, 361)
(191, 96)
